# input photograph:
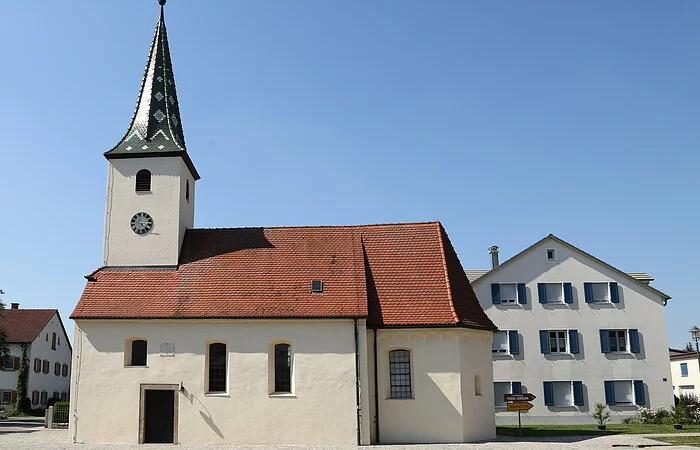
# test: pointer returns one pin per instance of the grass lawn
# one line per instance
(680, 440)
(592, 429)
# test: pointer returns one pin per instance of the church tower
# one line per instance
(151, 178)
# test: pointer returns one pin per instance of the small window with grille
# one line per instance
(400, 374)
(143, 180)
(316, 286)
(283, 368)
(217, 368)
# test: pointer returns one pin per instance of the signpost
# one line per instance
(519, 402)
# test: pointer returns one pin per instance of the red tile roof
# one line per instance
(395, 275)
(24, 325)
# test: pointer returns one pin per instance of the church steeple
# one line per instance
(156, 127)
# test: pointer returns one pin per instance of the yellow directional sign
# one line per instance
(519, 406)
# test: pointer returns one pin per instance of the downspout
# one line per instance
(357, 388)
(376, 390)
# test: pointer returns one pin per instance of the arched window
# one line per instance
(217, 367)
(477, 385)
(143, 180)
(400, 374)
(139, 350)
(187, 190)
(283, 368)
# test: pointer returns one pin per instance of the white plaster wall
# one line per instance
(639, 308)
(8, 378)
(321, 410)
(165, 203)
(693, 377)
(443, 362)
(41, 348)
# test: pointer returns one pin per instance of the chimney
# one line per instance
(493, 251)
(14, 305)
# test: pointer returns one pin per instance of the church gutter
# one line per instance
(376, 389)
(357, 387)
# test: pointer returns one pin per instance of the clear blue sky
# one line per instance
(506, 121)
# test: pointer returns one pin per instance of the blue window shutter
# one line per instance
(513, 342)
(588, 292)
(495, 293)
(548, 393)
(634, 340)
(516, 387)
(604, 341)
(638, 392)
(573, 341)
(542, 292)
(609, 393)
(578, 393)
(614, 293)
(544, 341)
(568, 293)
(522, 294)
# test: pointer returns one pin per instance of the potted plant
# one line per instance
(601, 415)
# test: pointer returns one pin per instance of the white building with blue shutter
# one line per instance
(574, 331)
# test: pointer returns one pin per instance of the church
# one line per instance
(346, 335)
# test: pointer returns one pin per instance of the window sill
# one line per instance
(137, 367)
(216, 394)
(281, 395)
(400, 398)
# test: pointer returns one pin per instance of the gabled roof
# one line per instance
(24, 325)
(640, 278)
(393, 275)
(156, 126)
(677, 354)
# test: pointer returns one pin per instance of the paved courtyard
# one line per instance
(25, 434)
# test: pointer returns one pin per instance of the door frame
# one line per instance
(142, 407)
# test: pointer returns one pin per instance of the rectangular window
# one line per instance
(563, 393)
(551, 254)
(500, 388)
(600, 292)
(57, 369)
(8, 363)
(44, 397)
(509, 293)
(45, 366)
(53, 342)
(400, 374)
(557, 341)
(35, 397)
(6, 397)
(620, 341)
(555, 293)
(500, 342)
(624, 393)
(37, 365)
(64, 396)
(684, 369)
(64, 370)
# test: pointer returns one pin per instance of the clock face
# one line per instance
(141, 223)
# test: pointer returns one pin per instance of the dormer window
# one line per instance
(143, 181)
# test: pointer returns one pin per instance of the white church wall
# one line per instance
(323, 373)
(439, 408)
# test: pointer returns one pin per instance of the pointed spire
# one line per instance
(156, 127)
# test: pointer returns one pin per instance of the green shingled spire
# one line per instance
(156, 127)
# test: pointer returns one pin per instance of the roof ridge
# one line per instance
(450, 300)
(317, 226)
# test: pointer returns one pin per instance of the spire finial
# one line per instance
(162, 2)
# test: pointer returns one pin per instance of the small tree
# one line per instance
(689, 347)
(600, 414)
(23, 405)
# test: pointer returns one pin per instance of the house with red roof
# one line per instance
(39, 334)
(271, 335)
